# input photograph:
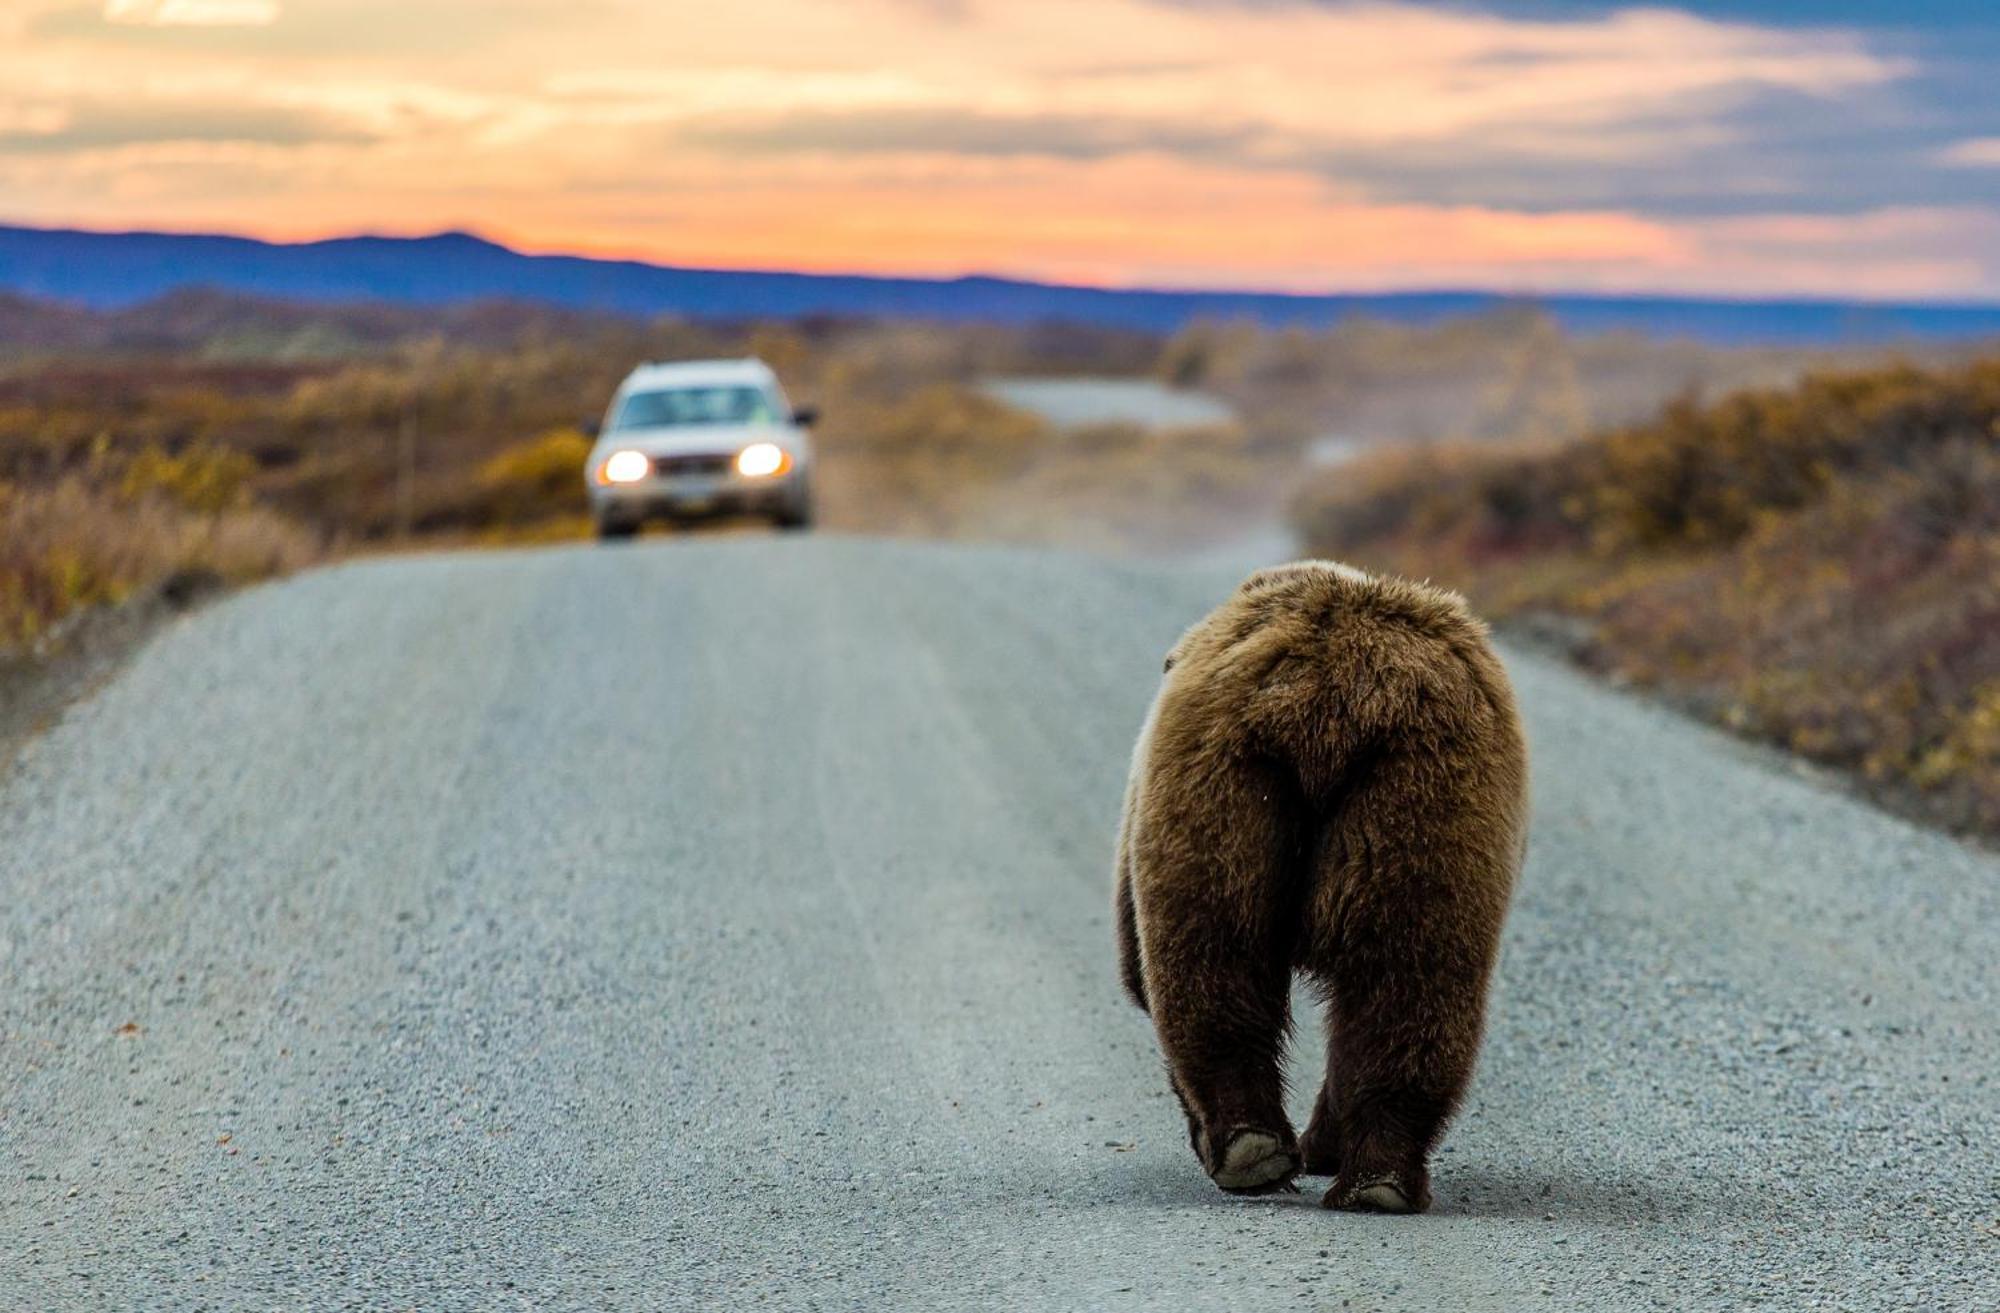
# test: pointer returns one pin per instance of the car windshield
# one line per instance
(673, 407)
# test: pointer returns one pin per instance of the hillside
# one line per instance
(111, 270)
(1816, 566)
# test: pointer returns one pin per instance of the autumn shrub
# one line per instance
(1818, 566)
(70, 546)
(537, 480)
(1511, 373)
(1479, 500)
(204, 479)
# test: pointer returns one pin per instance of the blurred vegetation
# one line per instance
(72, 544)
(538, 478)
(1817, 566)
(1506, 375)
(239, 436)
(1810, 563)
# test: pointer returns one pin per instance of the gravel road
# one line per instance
(1073, 402)
(720, 923)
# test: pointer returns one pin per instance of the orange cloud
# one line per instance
(1122, 141)
(192, 13)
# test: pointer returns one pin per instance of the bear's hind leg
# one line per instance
(1406, 926)
(1380, 1125)
(1405, 1005)
(1221, 1001)
(1208, 878)
(1383, 1103)
(1319, 1147)
(1224, 1042)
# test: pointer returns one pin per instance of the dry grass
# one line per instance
(246, 448)
(534, 483)
(1509, 374)
(121, 471)
(70, 546)
(1818, 566)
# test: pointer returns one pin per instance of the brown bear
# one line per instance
(1332, 780)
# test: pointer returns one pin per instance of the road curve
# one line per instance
(717, 923)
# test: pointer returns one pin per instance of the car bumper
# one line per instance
(695, 496)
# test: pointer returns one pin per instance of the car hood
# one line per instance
(697, 439)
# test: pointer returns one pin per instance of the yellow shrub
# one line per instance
(1819, 567)
(69, 546)
(208, 480)
(537, 479)
(1972, 746)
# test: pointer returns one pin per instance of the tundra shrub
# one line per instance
(1817, 566)
(204, 479)
(537, 480)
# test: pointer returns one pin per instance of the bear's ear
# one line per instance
(1274, 576)
(1180, 644)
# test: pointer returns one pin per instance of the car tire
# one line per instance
(795, 513)
(611, 531)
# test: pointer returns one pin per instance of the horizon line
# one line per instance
(1496, 293)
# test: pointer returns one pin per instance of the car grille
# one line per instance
(669, 466)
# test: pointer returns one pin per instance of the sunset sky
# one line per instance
(1740, 147)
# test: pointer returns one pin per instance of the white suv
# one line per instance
(700, 438)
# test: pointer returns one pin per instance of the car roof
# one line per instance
(697, 373)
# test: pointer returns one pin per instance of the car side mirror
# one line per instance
(591, 428)
(806, 416)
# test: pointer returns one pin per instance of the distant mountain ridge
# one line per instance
(116, 270)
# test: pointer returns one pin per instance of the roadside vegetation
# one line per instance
(1817, 566)
(1510, 374)
(75, 544)
(220, 436)
(1812, 564)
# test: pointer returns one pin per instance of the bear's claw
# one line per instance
(1382, 1194)
(1256, 1162)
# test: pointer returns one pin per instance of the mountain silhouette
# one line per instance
(114, 270)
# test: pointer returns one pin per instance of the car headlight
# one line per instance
(625, 467)
(761, 459)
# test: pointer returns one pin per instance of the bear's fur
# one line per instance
(1332, 779)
